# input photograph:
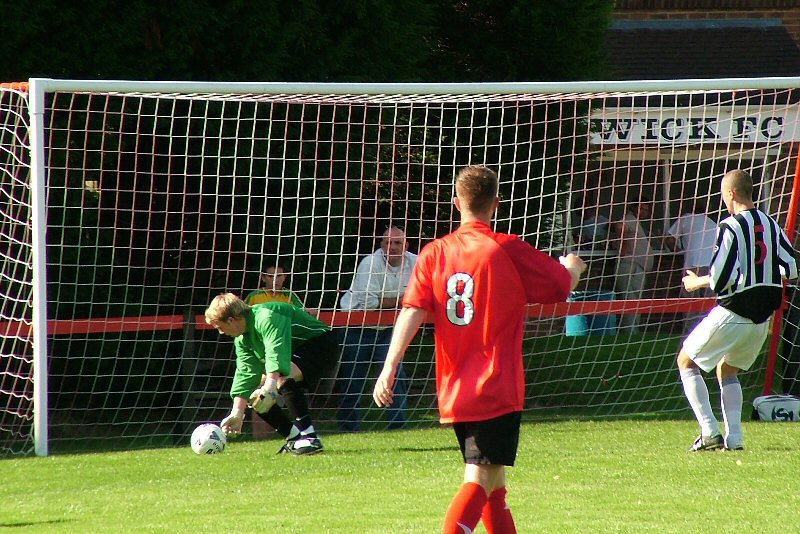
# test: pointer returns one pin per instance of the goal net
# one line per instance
(156, 197)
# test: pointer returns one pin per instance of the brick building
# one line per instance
(669, 39)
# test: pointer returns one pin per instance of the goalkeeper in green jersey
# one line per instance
(280, 351)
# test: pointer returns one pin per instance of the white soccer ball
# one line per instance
(208, 438)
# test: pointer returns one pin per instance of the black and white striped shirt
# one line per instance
(752, 256)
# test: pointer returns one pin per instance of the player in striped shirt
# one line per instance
(752, 256)
(475, 284)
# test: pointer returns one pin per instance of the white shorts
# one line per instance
(724, 336)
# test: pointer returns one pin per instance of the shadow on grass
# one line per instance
(23, 524)
(428, 449)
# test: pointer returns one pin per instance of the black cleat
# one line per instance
(304, 446)
(287, 447)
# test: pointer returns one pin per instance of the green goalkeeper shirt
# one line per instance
(273, 329)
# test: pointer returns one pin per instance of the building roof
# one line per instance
(677, 49)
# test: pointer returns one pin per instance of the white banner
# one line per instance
(688, 126)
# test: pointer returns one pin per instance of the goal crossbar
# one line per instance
(409, 89)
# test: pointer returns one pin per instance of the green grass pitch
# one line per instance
(571, 476)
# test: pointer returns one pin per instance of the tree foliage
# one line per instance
(239, 40)
(304, 40)
(520, 40)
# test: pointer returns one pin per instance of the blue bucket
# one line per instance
(582, 325)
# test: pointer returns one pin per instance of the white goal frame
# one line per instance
(39, 87)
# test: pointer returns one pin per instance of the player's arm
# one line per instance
(576, 267)
(267, 391)
(787, 258)
(405, 328)
(246, 377)
(692, 282)
(232, 424)
(724, 269)
(275, 331)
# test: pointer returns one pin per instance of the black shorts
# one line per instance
(317, 358)
(493, 441)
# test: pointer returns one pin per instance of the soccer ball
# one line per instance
(208, 438)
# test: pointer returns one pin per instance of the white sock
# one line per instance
(694, 387)
(308, 431)
(294, 433)
(732, 410)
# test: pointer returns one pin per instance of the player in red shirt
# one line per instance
(475, 284)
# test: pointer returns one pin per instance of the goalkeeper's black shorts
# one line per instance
(317, 358)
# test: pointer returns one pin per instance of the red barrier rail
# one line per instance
(101, 325)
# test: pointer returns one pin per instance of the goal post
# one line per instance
(130, 205)
(17, 280)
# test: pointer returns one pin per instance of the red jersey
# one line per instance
(475, 283)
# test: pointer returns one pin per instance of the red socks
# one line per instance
(465, 509)
(470, 505)
(496, 514)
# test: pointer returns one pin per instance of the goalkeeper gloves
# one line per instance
(265, 397)
(232, 425)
